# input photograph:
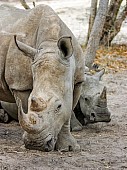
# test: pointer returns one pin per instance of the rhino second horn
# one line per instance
(37, 104)
(103, 95)
(29, 51)
(34, 102)
(29, 122)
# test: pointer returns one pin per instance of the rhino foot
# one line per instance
(75, 124)
(4, 117)
(66, 142)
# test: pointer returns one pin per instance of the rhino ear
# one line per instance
(99, 74)
(65, 46)
(27, 50)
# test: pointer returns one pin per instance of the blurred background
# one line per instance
(76, 14)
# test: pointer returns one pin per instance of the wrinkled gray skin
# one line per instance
(92, 105)
(92, 111)
(42, 68)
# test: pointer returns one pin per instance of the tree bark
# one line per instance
(96, 33)
(93, 10)
(109, 27)
(24, 4)
(117, 25)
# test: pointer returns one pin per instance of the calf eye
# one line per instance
(86, 99)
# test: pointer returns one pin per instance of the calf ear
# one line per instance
(27, 50)
(99, 74)
(65, 46)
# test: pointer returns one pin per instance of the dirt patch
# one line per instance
(103, 146)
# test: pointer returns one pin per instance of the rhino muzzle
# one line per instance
(100, 115)
(31, 123)
(38, 133)
(37, 143)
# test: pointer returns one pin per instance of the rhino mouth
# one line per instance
(104, 116)
(99, 117)
(47, 144)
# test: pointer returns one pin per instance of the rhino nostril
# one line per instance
(49, 145)
(93, 115)
(49, 142)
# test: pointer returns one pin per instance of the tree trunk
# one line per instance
(93, 10)
(109, 30)
(96, 33)
(117, 25)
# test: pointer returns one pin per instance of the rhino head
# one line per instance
(93, 99)
(50, 102)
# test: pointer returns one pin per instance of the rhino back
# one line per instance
(41, 24)
(9, 15)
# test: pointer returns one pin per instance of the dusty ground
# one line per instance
(103, 146)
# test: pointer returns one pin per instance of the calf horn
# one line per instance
(29, 122)
(103, 94)
(102, 101)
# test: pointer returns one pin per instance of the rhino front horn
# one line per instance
(29, 122)
(103, 95)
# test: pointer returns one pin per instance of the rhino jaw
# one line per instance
(95, 117)
(36, 143)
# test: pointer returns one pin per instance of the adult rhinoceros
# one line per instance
(42, 68)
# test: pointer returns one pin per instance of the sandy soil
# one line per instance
(103, 146)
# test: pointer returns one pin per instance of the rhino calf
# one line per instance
(92, 105)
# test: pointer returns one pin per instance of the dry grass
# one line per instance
(113, 59)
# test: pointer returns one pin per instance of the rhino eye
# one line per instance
(58, 108)
(86, 99)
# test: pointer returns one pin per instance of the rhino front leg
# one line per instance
(65, 141)
(74, 123)
(11, 109)
(4, 117)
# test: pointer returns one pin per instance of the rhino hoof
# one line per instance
(63, 148)
(76, 128)
(75, 124)
(65, 144)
